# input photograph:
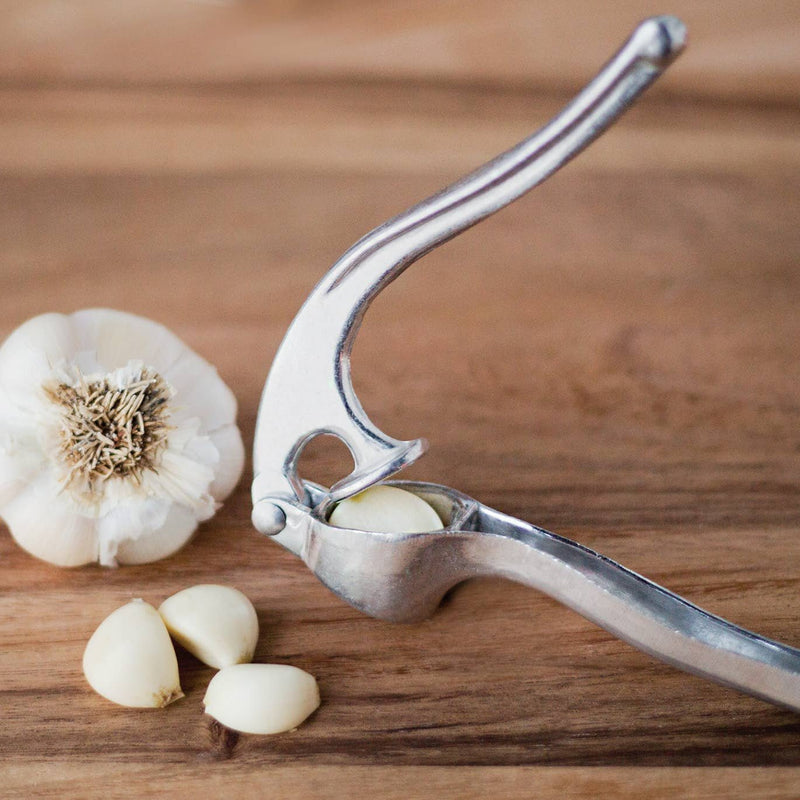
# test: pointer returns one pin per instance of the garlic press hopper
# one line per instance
(402, 577)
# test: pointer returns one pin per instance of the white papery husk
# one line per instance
(122, 520)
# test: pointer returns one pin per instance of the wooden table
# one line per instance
(615, 357)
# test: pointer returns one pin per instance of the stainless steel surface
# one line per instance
(309, 390)
(402, 577)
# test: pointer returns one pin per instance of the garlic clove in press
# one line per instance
(116, 439)
(217, 624)
(386, 509)
(130, 659)
(261, 698)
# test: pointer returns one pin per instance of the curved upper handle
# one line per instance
(309, 389)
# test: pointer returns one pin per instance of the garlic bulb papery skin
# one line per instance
(261, 698)
(116, 439)
(217, 624)
(386, 509)
(130, 658)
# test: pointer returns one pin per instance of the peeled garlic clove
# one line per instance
(386, 509)
(218, 624)
(130, 659)
(261, 698)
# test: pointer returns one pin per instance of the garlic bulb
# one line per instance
(115, 438)
(217, 624)
(261, 698)
(130, 659)
(386, 509)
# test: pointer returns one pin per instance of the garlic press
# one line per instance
(403, 577)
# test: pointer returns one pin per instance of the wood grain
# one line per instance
(742, 49)
(614, 358)
(57, 779)
(370, 126)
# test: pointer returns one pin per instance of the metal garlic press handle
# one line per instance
(637, 610)
(403, 577)
(309, 390)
